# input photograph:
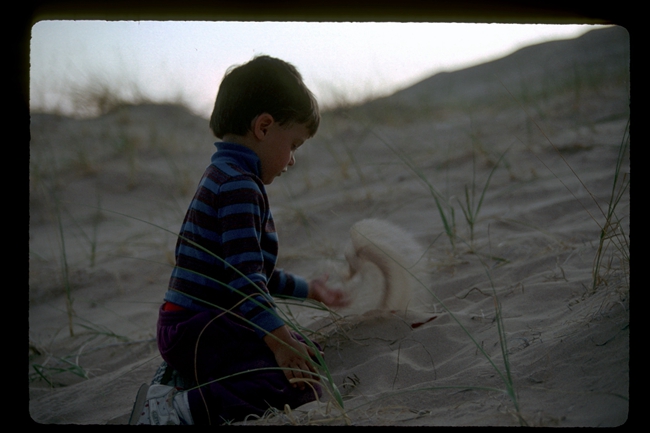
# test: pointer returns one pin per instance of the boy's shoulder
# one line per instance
(226, 175)
(227, 178)
(236, 161)
(223, 189)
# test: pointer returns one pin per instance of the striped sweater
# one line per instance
(227, 248)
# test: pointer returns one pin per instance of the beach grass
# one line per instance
(612, 232)
(65, 274)
(471, 207)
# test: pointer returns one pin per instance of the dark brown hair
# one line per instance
(263, 85)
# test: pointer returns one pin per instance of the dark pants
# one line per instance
(226, 346)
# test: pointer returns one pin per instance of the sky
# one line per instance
(339, 61)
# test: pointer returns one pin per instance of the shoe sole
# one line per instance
(140, 400)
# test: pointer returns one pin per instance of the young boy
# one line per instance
(218, 326)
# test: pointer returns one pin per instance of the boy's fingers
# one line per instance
(298, 376)
(297, 370)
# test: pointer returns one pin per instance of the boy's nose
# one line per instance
(292, 161)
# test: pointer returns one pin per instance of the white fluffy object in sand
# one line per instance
(381, 259)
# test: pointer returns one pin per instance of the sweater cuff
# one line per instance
(268, 321)
(301, 289)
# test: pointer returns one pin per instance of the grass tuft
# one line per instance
(612, 232)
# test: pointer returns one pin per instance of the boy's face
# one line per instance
(279, 147)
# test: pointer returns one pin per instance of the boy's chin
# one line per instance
(270, 181)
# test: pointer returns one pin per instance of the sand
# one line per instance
(108, 194)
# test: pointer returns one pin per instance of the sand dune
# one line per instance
(517, 283)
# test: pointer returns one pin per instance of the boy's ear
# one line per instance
(261, 125)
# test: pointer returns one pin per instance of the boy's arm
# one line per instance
(284, 283)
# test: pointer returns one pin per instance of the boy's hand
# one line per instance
(319, 291)
(282, 347)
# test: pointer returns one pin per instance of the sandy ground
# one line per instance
(107, 196)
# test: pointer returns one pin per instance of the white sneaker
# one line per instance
(160, 405)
